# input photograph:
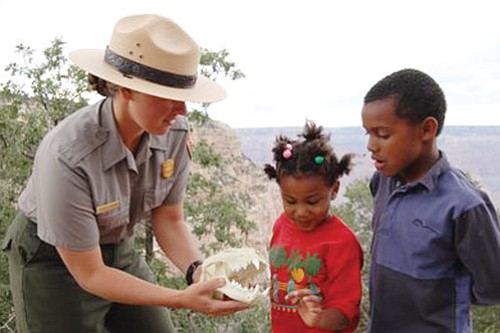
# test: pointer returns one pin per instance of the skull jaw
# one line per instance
(246, 296)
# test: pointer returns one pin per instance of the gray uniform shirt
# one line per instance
(87, 188)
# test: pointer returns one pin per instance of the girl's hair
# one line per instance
(309, 155)
(102, 86)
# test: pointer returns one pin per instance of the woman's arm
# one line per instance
(91, 274)
(95, 277)
(173, 235)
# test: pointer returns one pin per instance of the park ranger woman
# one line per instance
(72, 263)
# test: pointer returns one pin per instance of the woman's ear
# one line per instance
(126, 93)
(335, 190)
(429, 128)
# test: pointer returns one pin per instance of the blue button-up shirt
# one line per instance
(435, 250)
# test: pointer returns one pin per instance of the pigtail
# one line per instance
(345, 165)
(312, 132)
(282, 155)
(283, 149)
(270, 171)
(310, 154)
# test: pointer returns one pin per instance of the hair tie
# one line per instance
(319, 159)
(287, 152)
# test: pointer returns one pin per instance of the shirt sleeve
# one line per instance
(65, 213)
(477, 240)
(344, 291)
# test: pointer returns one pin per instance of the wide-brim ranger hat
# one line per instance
(153, 55)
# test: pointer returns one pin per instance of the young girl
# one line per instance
(315, 258)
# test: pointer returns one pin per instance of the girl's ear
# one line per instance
(429, 128)
(335, 190)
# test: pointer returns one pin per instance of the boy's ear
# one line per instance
(429, 128)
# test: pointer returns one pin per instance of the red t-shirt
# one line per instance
(327, 259)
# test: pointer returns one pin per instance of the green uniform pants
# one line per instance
(48, 300)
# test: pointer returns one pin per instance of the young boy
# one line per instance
(436, 237)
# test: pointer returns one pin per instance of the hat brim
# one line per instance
(92, 61)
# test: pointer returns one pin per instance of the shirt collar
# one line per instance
(113, 150)
(430, 180)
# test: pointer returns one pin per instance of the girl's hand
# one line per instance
(308, 306)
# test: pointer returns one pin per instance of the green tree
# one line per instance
(356, 212)
(216, 64)
(218, 218)
(32, 101)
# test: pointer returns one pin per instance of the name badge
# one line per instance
(107, 207)
(167, 168)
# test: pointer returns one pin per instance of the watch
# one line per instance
(190, 271)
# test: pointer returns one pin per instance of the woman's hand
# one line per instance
(200, 297)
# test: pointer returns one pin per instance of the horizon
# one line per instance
(466, 152)
(352, 126)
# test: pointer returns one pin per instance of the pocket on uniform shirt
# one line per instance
(113, 219)
(155, 197)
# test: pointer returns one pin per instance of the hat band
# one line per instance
(132, 68)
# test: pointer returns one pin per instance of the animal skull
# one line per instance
(245, 271)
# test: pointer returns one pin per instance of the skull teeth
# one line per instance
(245, 272)
(239, 285)
(256, 289)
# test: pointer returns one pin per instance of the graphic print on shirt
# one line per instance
(289, 272)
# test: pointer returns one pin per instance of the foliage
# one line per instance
(486, 319)
(217, 218)
(198, 117)
(215, 64)
(356, 212)
(35, 98)
(205, 155)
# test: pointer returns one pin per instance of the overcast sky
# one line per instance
(302, 59)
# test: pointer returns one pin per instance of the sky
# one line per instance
(303, 60)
